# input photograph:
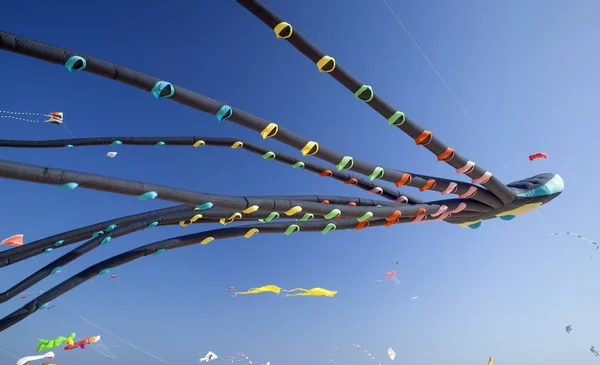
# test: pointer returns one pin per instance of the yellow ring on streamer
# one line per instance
(199, 143)
(324, 61)
(270, 131)
(251, 209)
(310, 145)
(207, 240)
(234, 216)
(251, 232)
(237, 144)
(281, 27)
(294, 210)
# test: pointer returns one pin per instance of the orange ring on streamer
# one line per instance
(430, 184)
(405, 179)
(418, 213)
(362, 225)
(325, 201)
(388, 224)
(397, 214)
(351, 181)
(447, 155)
(424, 138)
(326, 173)
(352, 204)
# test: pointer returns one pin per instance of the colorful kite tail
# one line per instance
(41, 345)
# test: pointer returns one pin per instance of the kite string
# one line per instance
(8, 353)
(460, 104)
(112, 334)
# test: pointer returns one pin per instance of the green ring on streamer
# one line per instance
(152, 225)
(160, 144)
(365, 216)
(159, 251)
(475, 225)
(96, 234)
(105, 240)
(148, 195)
(69, 186)
(75, 63)
(224, 113)
(116, 143)
(69, 146)
(328, 228)
(104, 271)
(292, 229)
(333, 214)
(377, 173)
(159, 87)
(298, 165)
(110, 228)
(343, 165)
(270, 155)
(393, 120)
(270, 217)
(59, 243)
(307, 217)
(205, 206)
(363, 89)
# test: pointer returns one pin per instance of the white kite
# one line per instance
(111, 154)
(208, 357)
(47, 355)
(413, 298)
(391, 354)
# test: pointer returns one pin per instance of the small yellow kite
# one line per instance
(263, 289)
(314, 292)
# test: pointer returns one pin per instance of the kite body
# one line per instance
(465, 204)
(391, 354)
(568, 329)
(54, 118)
(535, 156)
(389, 275)
(83, 343)
(594, 351)
(15, 241)
(55, 342)
(26, 359)
(209, 357)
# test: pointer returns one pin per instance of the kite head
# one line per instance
(70, 338)
(539, 188)
(54, 118)
(531, 194)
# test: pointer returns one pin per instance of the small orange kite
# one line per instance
(15, 241)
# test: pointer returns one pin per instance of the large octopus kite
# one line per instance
(302, 213)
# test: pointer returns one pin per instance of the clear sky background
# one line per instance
(526, 71)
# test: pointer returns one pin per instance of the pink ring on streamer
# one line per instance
(467, 168)
(450, 189)
(469, 193)
(443, 216)
(442, 209)
(483, 178)
(460, 208)
(401, 199)
(376, 190)
(419, 218)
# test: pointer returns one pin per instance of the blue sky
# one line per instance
(525, 71)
